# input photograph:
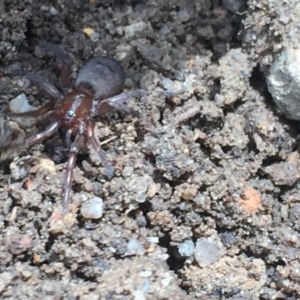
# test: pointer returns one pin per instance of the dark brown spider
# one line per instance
(97, 89)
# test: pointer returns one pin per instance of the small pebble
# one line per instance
(286, 172)
(209, 250)
(20, 104)
(92, 208)
(127, 171)
(5, 279)
(184, 16)
(138, 186)
(235, 6)
(134, 247)
(284, 82)
(141, 221)
(18, 170)
(44, 8)
(132, 29)
(187, 248)
(153, 239)
(53, 11)
(138, 295)
(94, 37)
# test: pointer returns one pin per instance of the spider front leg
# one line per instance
(62, 58)
(108, 168)
(41, 83)
(15, 147)
(120, 102)
(39, 137)
(67, 185)
(47, 108)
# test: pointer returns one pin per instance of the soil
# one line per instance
(204, 204)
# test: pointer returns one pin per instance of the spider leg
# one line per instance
(39, 137)
(108, 168)
(14, 148)
(5, 133)
(65, 77)
(55, 51)
(41, 83)
(68, 138)
(119, 102)
(67, 185)
(62, 57)
(48, 107)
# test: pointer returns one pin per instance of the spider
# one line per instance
(97, 89)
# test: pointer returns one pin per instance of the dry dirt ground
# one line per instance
(204, 206)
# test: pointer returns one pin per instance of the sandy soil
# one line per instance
(205, 206)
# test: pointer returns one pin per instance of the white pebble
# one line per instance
(20, 104)
(94, 36)
(92, 208)
(208, 250)
(134, 28)
(187, 248)
(53, 11)
(284, 82)
(134, 247)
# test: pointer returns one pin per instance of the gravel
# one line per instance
(204, 203)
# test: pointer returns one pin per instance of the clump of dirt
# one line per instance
(204, 202)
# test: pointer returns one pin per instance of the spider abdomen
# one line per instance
(101, 77)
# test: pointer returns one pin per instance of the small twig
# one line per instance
(189, 113)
